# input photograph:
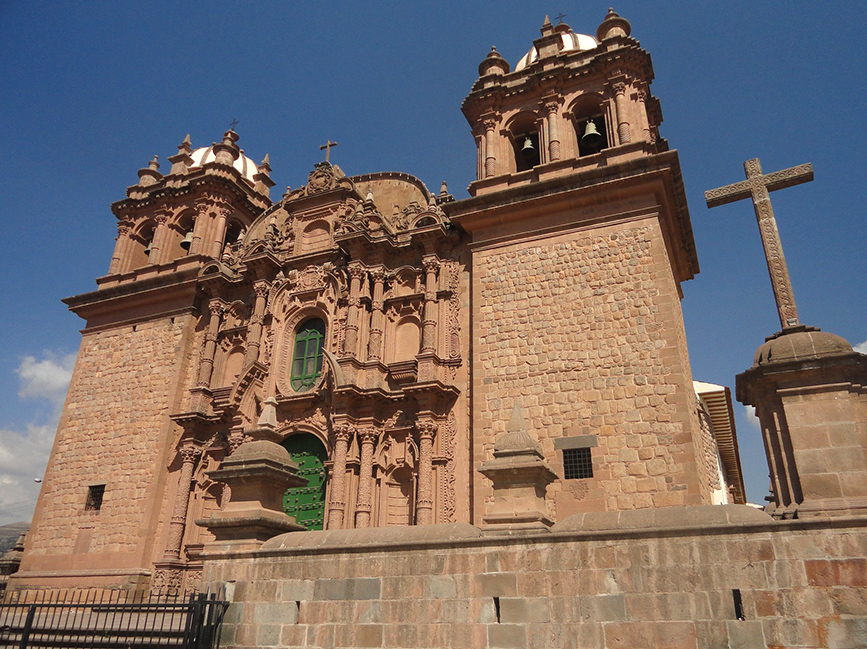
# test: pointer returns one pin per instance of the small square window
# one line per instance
(577, 463)
(94, 498)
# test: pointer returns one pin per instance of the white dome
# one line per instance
(571, 43)
(243, 164)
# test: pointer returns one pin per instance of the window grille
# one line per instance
(577, 463)
(94, 498)
(307, 356)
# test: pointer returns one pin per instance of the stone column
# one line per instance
(206, 363)
(200, 226)
(490, 148)
(121, 248)
(343, 433)
(553, 130)
(424, 497)
(429, 324)
(645, 121)
(223, 211)
(350, 341)
(159, 242)
(367, 440)
(189, 454)
(254, 332)
(621, 109)
(377, 317)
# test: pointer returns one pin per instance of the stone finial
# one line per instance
(547, 28)
(612, 26)
(262, 178)
(182, 160)
(520, 477)
(227, 151)
(149, 175)
(493, 64)
(444, 190)
(268, 418)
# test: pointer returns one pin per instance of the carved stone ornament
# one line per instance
(323, 178)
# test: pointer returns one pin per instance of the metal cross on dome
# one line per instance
(758, 187)
(233, 125)
(559, 18)
(327, 148)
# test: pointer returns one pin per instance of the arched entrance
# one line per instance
(307, 504)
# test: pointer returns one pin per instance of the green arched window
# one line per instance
(307, 356)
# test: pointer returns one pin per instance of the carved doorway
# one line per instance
(307, 504)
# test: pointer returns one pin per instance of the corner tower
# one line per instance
(104, 514)
(580, 239)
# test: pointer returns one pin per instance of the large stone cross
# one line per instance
(327, 148)
(758, 187)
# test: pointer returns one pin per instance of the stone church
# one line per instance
(376, 416)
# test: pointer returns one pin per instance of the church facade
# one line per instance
(410, 377)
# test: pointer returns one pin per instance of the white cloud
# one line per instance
(45, 379)
(751, 418)
(24, 453)
(861, 348)
(23, 457)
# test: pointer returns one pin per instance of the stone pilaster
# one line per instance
(377, 317)
(160, 240)
(424, 500)
(121, 248)
(620, 106)
(223, 212)
(367, 439)
(189, 455)
(343, 433)
(216, 307)
(551, 107)
(254, 333)
(350, 341)
(429, 324)
(490, 148)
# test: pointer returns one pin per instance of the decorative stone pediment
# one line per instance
(324, 177)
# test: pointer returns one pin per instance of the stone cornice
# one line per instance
(514, 206)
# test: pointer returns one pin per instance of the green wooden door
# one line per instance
(307, 504)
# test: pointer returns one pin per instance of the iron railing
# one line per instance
(109, 620)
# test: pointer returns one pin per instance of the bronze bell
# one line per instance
(591, 137)
(528, 149)
(148, 248)
(187, 240)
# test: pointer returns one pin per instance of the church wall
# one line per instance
(115, 431)
(635, 584)
(584, 331)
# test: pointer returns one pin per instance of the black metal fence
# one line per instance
(109, 620)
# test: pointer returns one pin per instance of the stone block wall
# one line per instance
(584, 330)
(614, 580)
(115, 431)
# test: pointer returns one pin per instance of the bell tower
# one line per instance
(111, 505)
(570, 99)
(580, 239)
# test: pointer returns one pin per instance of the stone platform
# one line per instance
(668, 578)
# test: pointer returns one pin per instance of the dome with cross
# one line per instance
(243, 164)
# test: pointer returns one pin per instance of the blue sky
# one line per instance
(92, 91)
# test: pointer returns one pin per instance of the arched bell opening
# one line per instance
(181, 235)
(588, 116)
(140, 249)
(234, 233)
(525, 136)
(307, 504)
